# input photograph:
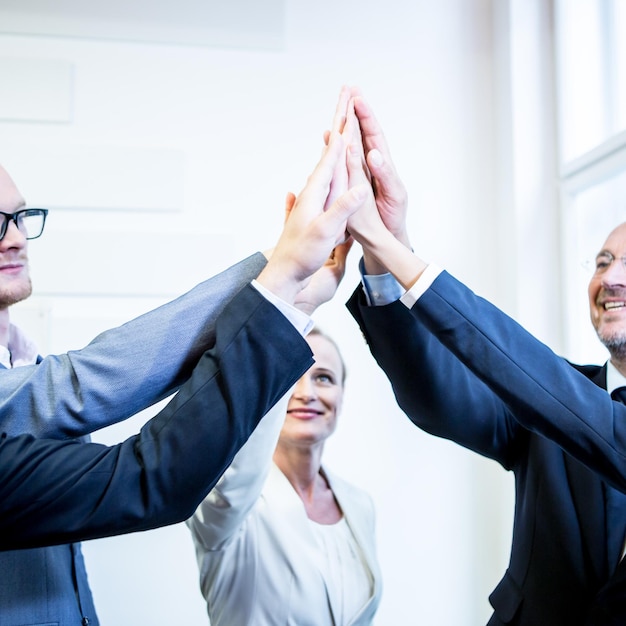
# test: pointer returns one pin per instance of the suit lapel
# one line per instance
(361, 535)
(282, 497)
(593, 494)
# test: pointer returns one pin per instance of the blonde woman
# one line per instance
(280, 539)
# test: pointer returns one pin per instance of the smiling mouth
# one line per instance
(609, 306)
(303, 413)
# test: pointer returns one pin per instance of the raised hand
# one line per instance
(382, 250)
(389, 190)
(367, 225)
(312, 231)
(324, 283)
(339, 182)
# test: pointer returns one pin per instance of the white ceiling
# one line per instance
(223, 23)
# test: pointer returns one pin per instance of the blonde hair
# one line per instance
(317, 332)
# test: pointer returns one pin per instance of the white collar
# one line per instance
(21, 350)
(614, 378)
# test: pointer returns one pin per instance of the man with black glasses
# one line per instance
(139, 370)
(55, 490)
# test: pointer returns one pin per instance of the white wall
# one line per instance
(227, 132)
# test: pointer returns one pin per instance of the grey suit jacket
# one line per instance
(121, 372)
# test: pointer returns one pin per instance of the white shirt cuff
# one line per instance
(380, 289)
(421, 285)
(301, 321)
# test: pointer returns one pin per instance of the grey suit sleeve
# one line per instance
(59, 491)
(123, 370)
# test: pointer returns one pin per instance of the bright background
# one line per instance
(163, 136)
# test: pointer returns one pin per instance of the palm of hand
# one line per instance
(323, 284)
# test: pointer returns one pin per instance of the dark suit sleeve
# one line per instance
(432, 386)
(544, 393)
(61, 491)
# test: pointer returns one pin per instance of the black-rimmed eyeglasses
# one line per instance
(29, 222)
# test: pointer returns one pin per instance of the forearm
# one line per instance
(544, 393)
(436, 391)
(123, 370)
(227, 505)
(56, 492)
(393, 255)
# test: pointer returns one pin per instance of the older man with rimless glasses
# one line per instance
(462, 370)
(239, 325)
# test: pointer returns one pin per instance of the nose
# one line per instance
(304, 389)
(13, 238)
(615, 275)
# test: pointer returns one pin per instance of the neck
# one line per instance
(301, 466)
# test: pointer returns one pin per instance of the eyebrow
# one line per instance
(326, 370)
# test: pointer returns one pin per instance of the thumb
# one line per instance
(349, 202)
(290, 200)
(340, 253)
(376, 162)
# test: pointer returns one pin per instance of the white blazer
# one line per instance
(260, 563)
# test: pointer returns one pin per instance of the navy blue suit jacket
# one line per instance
(463, 370)
(55, 492)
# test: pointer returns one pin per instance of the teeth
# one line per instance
(614, 305)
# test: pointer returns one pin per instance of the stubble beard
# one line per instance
(12, 295)
(615, 343)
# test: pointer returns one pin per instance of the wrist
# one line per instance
(279, 283)
(403, 237)
(371, 265)
(307, 308)
(397, 258)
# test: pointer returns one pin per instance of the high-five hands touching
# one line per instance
(389, 191)
(324, 283)
(380, 226)
(355, 190)
(313, 228)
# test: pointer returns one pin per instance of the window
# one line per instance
(590, 54)
(591, 70)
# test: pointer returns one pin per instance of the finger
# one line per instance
(339, 182)
(352, 132)
(354, 161)
(339, 119)
(376, 163)
(337, 260)
(312, 199)
(290, 200)
(373, 136)
(347, 204)
(387, 182)
(340, 253)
